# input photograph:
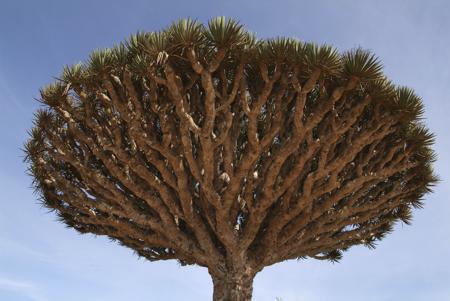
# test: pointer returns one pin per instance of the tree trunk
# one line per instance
(233, 287)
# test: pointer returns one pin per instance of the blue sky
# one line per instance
(41, 260)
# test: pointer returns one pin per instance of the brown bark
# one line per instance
(235, 285)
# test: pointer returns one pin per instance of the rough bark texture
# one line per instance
(234, 286)
(204, 145)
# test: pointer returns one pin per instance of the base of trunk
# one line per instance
(233, 287)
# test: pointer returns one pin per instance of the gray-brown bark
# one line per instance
(220, 150)
(234, 286)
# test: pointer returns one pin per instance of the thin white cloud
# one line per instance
(14, 285)
(8, 96)
(16, 248)
(22, 288)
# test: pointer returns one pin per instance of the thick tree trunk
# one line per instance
(234, 286)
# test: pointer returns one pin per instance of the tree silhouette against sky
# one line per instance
(203, 144)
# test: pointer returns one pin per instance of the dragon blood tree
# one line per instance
(203, 144)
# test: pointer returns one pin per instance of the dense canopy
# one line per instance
(204, 144)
